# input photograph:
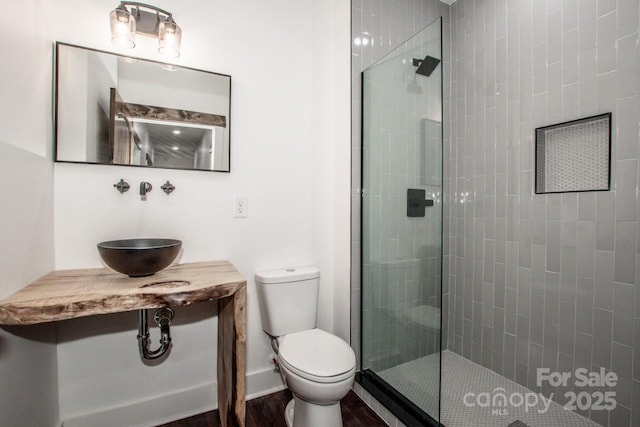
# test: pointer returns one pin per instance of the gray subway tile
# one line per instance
(606, 44)
(524, 291)
(553, 246)
(568, 275)
(512, 265)
(605, 220)
(587, 206)
(602, 325)
(600, 417)
(552, 298)
(636, 349)
(537, 319)
(509, 359)
(522, 372)
(497, 361)
(554, 206)
(538, 269)
(498, 329)
(522, 339)
(586, 250)
(565, 364)
(621, 364)
(524, 243)
(623, 313)
(538, 218)
(627, 17)
(499, 285)
(588, 91)
(584, 305)
(620, 416)
(636, 403)
(489, 260)
(550, 350)
(554, 37)
(569, 216)
(467, 336)
(626, 177)
(628, 66)
(487, 304)
(584, 343)
(487, 336)
(627, 148)
(535, 363)
(637, 298)
(625, 249)
(510, 311)
(603, 289)
(477, 322)
(567, 327)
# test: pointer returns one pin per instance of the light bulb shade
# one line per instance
(170, 37)
(123, 27)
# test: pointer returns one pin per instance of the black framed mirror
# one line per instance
(118, 110)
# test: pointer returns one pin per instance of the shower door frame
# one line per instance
(403, 408)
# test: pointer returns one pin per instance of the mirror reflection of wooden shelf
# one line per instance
(67, 294)
(119, 110)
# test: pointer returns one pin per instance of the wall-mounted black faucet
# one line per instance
(145, 187)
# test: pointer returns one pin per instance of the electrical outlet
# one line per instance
(240, 206)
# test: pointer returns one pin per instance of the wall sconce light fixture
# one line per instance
(129, 18)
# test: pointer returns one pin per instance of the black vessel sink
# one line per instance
(139, 257)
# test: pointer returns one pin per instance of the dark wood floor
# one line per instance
(268, 411)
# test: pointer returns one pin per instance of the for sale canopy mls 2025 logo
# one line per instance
(499, 402)
(596, 398)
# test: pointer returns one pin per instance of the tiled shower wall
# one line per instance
(543, 280)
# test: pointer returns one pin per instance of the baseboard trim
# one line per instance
(173, 406)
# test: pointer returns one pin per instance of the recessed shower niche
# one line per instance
(574, 156)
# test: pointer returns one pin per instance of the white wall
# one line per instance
(289, 155)
(28, 384)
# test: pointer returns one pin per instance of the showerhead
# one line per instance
(426, 65)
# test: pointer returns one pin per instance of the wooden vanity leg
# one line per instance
(232, 338)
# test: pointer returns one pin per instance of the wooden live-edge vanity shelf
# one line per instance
(68, 294)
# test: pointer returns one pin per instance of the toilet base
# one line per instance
(288, 413)
(300, 413)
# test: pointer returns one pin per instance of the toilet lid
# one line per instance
(317, 353)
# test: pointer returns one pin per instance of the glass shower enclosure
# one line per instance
(402, 228)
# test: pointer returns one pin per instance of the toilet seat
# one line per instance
(317, 356)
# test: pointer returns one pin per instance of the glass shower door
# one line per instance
(402, 222)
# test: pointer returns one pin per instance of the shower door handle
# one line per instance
(416, 202)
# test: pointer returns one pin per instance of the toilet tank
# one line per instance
(288, 299)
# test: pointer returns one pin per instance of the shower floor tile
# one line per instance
(418, 381)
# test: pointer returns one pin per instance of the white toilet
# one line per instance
(318, 367)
